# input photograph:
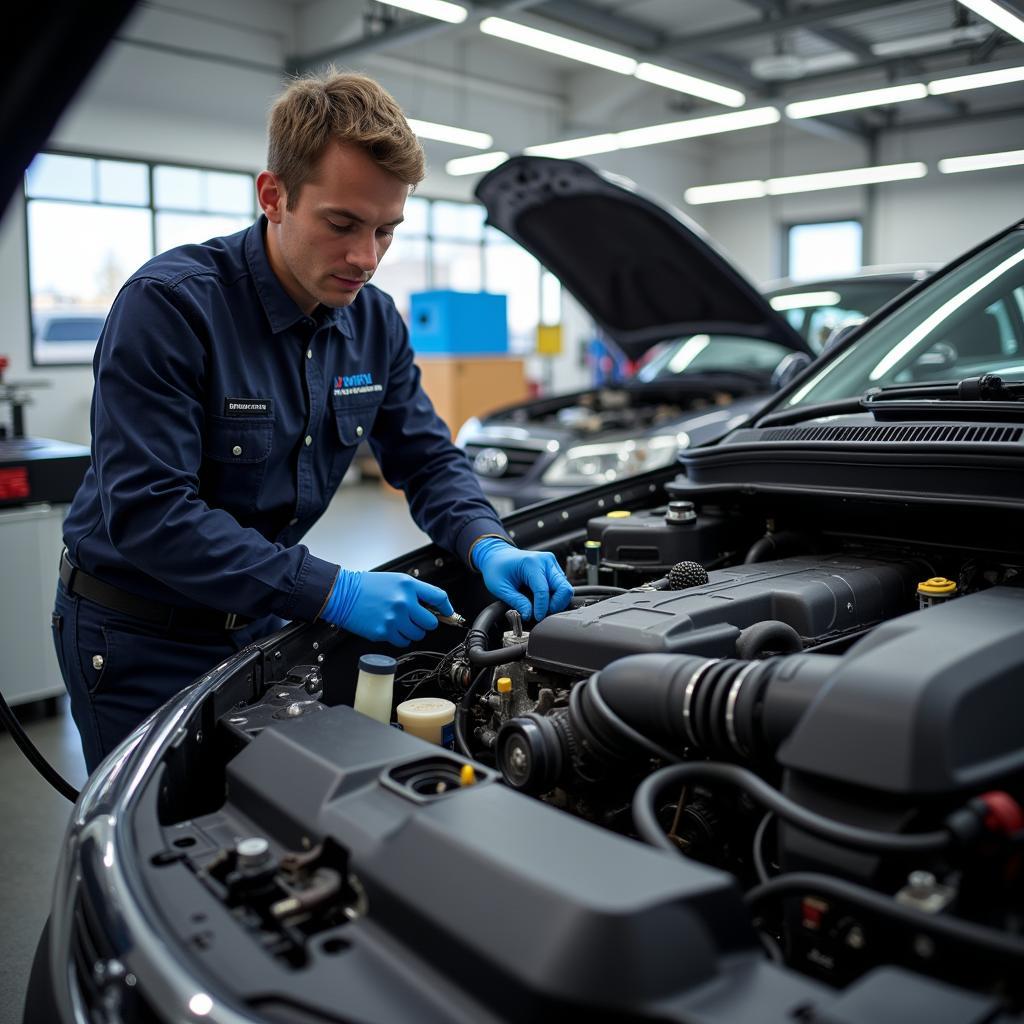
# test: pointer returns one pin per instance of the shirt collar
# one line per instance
(281, 309)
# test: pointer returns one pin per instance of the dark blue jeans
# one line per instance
(119, 669)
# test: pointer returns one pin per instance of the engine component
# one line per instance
(822, 599)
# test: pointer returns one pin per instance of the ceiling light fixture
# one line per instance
(475, 164)
(655, 134)
(513, 32)
(803, 300)
(440, 9)
(998, 16)
(981, 162)
(959, 35)
(981, 80)
(725, 193)
(669, 79)
(856, 100)
(448, 133)
(731, 190)
(845, 179)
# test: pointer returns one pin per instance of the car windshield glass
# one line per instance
(702, 353)
(969, 322)
(818, 309)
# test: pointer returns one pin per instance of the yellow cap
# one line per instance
(937, 586)
(619, 513)
(591, 543)
(467, 777)
(504, 685)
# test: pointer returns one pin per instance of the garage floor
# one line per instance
(364, 526)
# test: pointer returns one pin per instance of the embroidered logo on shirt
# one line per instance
(248, 407)
(354, 384)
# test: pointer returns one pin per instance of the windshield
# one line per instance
(703, 353)
(969, 322)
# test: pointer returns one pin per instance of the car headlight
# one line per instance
(591, 464)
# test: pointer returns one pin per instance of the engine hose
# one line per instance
(769, 635)
(462, 710)
(646, 820)
(29, 749)
(479, 633)
(977, 936)
(775, 545)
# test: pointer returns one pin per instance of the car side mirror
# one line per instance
(839, 335)
(941, 356)
(790, 367)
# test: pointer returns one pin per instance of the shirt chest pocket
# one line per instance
(354, 425)
(235, 455)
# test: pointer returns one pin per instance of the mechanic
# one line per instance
(234, 381)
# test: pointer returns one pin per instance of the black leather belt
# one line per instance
(92, 589)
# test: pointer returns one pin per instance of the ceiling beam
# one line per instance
(772, 9)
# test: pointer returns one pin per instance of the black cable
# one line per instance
(29, 749)
(957, 929)
(626, 730)
(461, 711)
(759, 862)
(598, 590)
(646, 821)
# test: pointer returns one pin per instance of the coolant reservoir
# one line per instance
(375, 686)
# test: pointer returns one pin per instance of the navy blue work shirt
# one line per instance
(223, 420)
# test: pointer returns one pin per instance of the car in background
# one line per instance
(66, 334)
(769, 765)
(713, 348)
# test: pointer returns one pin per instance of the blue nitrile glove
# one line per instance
(384, 606)
(510, 574)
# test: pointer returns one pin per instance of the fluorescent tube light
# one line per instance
(586, 146)
(856, 100)
(844, 179)
(802, 300)
(998, 16)
(981, 162)
(724, 193)
(669, 79)
(440, 9)
(559, 45)
(981, 80)
(446, 133)
(475, 164)
(695, 127)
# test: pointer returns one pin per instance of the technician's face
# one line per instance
(326, 245)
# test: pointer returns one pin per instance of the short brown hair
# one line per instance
(353, 108)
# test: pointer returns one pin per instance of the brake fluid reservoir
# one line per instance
(375, 686)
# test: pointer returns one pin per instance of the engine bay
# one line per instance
(750, 748)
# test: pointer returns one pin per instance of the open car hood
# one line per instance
(641, 271)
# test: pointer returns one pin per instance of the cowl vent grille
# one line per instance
(897, 434)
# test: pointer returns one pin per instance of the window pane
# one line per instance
(416, 212)
(229, 193)
(456, 266)
(179, 188)
(514, 272)
(550, 299)
(824, 250)
(60, 177)
(463, 221)
(191, 228)
(403, 271)
(79, 256)
(122, 182)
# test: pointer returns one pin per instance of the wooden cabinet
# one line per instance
(464, 386)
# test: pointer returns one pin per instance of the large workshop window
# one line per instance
(92, 221)
(824, 249)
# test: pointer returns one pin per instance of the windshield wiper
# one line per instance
(988, 397)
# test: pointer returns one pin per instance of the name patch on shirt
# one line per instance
(248, 407)
(355, 384)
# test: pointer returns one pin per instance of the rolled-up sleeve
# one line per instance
(148, 428)
(416, 454)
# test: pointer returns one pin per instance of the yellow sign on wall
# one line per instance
(549, 339)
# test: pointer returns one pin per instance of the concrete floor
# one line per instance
(365, 525)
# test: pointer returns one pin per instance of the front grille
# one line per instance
(897, 434)
(520, 460)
